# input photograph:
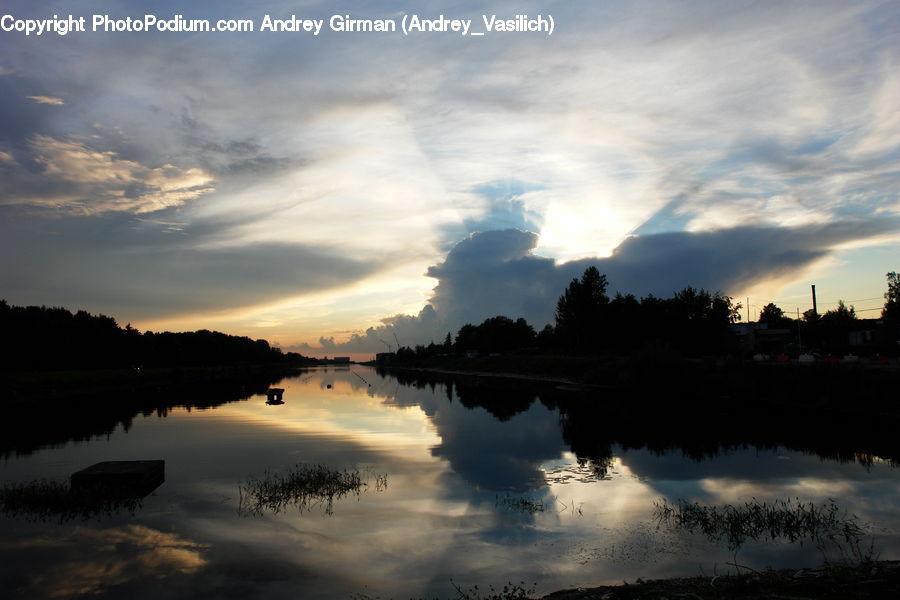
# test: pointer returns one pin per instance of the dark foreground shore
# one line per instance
(864, 581)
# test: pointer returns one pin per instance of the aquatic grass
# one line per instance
(519, 504)
(510, 591)
(825, 524)
(303, 487)
(44, 500)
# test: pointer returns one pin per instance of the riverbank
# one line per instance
(25, 387)
(659, 377)
(549, 368)
(876, 580)
(606, 370)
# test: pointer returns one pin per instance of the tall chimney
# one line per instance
(815, 310)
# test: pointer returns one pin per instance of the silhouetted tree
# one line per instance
(701, 321)
(699, 305)
(466, 339)
(405, 354)
(625, 325)
(891, 310)
(581, 310)
(773, 316)
(496, 334)
(832, 328)
(55, 338)
(841, 314)
(654, 317)
(546, 338)
(692, 320)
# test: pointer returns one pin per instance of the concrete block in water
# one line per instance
(122, 478)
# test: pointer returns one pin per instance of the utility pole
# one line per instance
(748, 309)
(815, 309)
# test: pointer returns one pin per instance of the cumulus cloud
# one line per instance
(489, 454)
(498, 273)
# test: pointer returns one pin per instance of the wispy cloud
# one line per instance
(142, 270)
(47, 100)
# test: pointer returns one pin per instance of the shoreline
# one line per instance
(580, 369)
(823, 385)
(868, 580)
(26, 388)
(500, 375)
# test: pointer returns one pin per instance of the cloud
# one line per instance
(74, 178)
(91, 561)
(497, 273)
(230, 157)
(47, 100)
(139, 269)
(689, 118)
(489, 453)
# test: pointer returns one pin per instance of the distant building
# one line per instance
(337, 360)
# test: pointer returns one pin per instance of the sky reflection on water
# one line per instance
(450, 469)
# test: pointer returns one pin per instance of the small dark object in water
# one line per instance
(275, 401)
(122, 478)
(274, 396)
(328, 386)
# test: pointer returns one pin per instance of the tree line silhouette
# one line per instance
(42, 338)
(691, 322)
(587, 321)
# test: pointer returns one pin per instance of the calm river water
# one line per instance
(482, 487)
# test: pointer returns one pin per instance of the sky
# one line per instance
(346, 192)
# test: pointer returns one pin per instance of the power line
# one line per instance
(804, 296)
(860, 300)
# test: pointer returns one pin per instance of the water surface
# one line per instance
(483, 487)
